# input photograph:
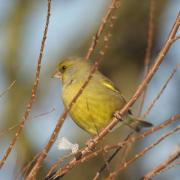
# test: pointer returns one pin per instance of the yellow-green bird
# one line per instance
(95, 107)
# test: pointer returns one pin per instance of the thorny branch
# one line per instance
(34, 91)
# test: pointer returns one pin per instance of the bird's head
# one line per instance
(71, 68)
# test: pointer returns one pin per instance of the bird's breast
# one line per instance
(94, 107)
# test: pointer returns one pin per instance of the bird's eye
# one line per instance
(63, 68)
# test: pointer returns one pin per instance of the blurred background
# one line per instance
(72, 24)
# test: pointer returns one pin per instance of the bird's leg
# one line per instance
(91, 146)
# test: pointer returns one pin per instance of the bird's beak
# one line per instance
(57, 74)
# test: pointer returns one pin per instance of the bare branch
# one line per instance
(157, 170)
(150, 37)
(6, 90)
(161, 91)
(34, 91)
(110, 159)
(101, 29)
(3, 132)
(141, 153)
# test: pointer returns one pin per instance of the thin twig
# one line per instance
(5, 131)
(150, 37)
(126, 149)
(101, 29)
(162, 166)
(141, 153)
(110, 159)
(57, 163)
(168, 167)
(25, 168)
(161, 91)
(34, 91)
(7, 89)
(176, 38)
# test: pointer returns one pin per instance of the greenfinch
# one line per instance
(100, 99)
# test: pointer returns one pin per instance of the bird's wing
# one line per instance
(107, 83)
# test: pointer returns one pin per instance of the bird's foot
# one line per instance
(118, 116)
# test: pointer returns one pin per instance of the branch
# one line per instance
(110, 159)
(101, 29)
(34, 91)
(150, 37)
(7, 89)
(161, 91)
(141, 153)
(162, 166)
(5, 131)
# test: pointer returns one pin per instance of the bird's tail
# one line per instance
(136, 123)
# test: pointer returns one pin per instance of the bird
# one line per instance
(100, 99)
